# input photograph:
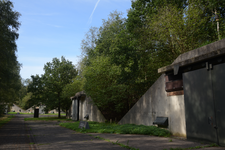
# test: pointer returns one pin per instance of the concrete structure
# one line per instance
(16, 108)
(167, 98)
(82, 106)
(54, 111)
(41, 109)
(155, 102)
(30, 110)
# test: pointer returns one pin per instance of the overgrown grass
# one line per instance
(47, 119)
(96, 127)
(5, 119)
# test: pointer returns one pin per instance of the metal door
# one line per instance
(218, 84)
(199, 105)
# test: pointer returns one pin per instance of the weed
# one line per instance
(96, 127)
(31, 143)
(170, 140)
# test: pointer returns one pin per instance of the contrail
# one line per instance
(90, 18)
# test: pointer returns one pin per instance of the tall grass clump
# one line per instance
(118, 129)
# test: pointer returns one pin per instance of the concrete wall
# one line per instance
(30, 110)
(201, 51)
(16, 108)
(86, 106)
(155, 102)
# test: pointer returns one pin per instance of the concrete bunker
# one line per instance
(190, 93)
(83, 108)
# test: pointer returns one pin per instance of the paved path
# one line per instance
(14, 135)
(47, 135)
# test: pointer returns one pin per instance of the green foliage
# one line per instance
(48, 89)
(101, 83)
(118, 129)
(9, 66)
(121, 58)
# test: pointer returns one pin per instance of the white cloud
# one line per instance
(90, 18)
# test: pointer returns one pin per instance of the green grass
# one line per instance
(20, 113)
(96, 127)
(33, 113)
(5, 119)
(54, 114)
(47, 119)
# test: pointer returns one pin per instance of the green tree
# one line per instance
(70, 90)
(101, 85)
(9, 66)
(36, 88)
(57, 75)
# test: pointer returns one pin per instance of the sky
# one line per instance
(55, 28)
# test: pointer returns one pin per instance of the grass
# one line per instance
(96, 127)
(20, 113)
(5, 119)
(33, 113)
(54, 114)
(48, 119)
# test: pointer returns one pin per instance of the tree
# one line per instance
(70, 90)
(36, 91)
(9, 66)
(57, 75)
(101, 85)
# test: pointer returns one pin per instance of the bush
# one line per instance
(118, 129)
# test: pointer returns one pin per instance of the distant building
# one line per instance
(16, 108)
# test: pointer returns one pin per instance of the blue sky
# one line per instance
(55, 28)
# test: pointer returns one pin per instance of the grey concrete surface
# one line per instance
(145, 142)
(47, 135)
(14, 135)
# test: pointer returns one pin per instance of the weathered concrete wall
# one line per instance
(30, 110)
(16, 108)
(201, 51)
(177, 124)
(87, 106)
(155, 102)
